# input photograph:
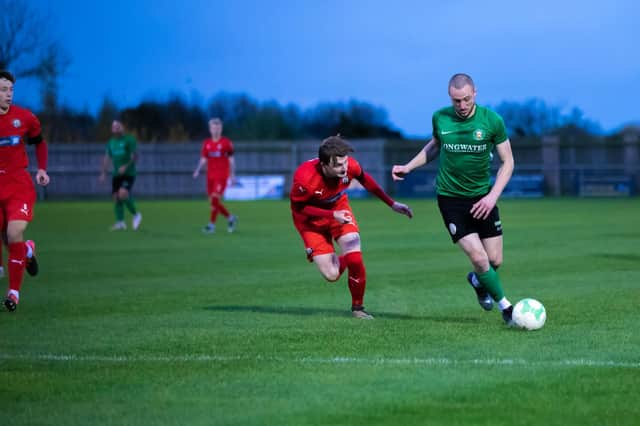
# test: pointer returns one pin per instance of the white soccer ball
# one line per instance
(529, 314)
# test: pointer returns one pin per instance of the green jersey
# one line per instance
(120, 150)
(465, 150)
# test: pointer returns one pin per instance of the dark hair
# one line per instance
(460, 80)
(332, 147)
(7, 75)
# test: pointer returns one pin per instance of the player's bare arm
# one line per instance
(201, 163)
(430, 152)
(232, 170)
(105, 166)
(483, 207)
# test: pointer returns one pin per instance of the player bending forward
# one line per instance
(321, 213)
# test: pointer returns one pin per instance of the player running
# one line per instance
(464, 135)
(321, 214)
(18, 126)
(217, 155)
(121, 152)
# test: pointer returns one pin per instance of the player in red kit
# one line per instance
(18, 126)
(321, 214)
(217, 155)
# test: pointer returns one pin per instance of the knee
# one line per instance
(330, 268)
(480, 260)
(496, 262)
(331, 275)
(15, 235)
(123, 194)
(350, 242)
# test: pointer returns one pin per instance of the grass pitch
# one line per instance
(170, 326)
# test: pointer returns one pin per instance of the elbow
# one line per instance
(508, 163)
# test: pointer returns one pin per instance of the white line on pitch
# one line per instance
(314, 360)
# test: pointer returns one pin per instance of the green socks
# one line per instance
(119, 210)
(491, 281)
(131, 205)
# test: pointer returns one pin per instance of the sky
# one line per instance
(398, 55)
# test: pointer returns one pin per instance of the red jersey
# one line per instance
(311, 187)
(16, 125)
(217, 153)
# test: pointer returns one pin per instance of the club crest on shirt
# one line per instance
(478, 134)
(17, 123)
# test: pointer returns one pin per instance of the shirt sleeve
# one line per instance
(230, 148)
(299, 192)
(300, 196)
(34, 126)
(355, 169)
(434, 126)
(500, 130)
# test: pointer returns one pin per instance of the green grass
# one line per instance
(170, 326)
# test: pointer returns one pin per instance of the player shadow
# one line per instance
(310, 311)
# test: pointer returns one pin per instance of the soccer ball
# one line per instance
(529, 314)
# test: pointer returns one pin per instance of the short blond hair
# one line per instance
(460, 80)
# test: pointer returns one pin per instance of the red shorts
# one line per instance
(17, 196)
(318, 234)
(216, 185)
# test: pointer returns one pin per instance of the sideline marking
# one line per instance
(517, 362)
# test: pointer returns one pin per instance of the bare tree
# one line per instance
(26, 48)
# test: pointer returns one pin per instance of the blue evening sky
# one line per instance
(395, 54)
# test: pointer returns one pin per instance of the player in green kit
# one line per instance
(121, 152)
(464, 136)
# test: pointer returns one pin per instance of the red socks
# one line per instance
(357, 276)
(16, 264)
(343, 264)
(217, 206)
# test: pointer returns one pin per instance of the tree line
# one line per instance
(176, 120)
